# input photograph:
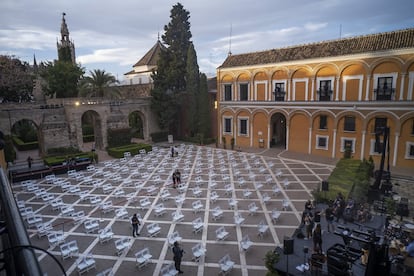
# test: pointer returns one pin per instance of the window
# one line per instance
(227, 125)
(227, 92)
(384, 91)
(243, 127)
(409, 153)
(323, 122)
(348, 143)
(376, 147)
(244, 92)
(325, 90)
(322, 142)
(279, 91)
(380, 124)
(349, 123)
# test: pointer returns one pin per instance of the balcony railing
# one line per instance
(279, 95)
(384, 94)
(324, 94)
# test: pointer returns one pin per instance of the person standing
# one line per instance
(135, 223)
(29, 162)
(178, 176)
(329, 215)
(317, 237)
(178, 255)
(174, 178)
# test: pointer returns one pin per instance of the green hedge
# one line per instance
(63, 151)
(9, 152)
(159, 136)
(23, 146)
(118, 152)
(59, 160)
(88, 138)
(119, 137)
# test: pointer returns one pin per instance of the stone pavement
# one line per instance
(132, 179)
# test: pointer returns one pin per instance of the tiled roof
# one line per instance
(151, 57)
(347, 46)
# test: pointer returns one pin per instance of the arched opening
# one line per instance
(136, 124)
(278, 130)
(92, 129)
(27, 132)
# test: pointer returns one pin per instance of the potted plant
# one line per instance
(271, 258)
(232, 143)
(223, 140)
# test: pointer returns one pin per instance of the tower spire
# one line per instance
(66, 48)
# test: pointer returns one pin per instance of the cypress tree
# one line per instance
(193, 82)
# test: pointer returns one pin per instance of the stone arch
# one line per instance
(136, 121)
(91, 119)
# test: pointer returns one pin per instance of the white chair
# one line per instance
(228, 189)
(221, 234)
(262, 229)
(105, 235)
(122, 245)
(258, 186)
(107, 207)
(56, 203)
(275, 215)
(107, 188)
(198, 251)
(214, 196)
(232, 203)
(43, 229)
(247, 193)
(252, 208)
(238, 219)
(159, 209)
(179, 200)
(26, 211)
(144, 203)
(276, 190)
(168, 270)
(174, 237)
(121, 213)
(182, 188)
(265, 198)
(55, 238)
(153, 229)
(119, 193)
(95, 200)
(269, 180)
(151, 190)
(78, 217)
(286, 183)
(226, 264)
(177, 216)
(67, 211)
(278, 173)
(85, 263)
(69, 249)
(197, 225)
(197, 191)
(245, 243)
(91, 226)
(217, 213)
(33, 220)
(165, 194)
(106, 272)
(197, 206)
(143, 257)
(212, 184)
(285, 204)
(241, 181)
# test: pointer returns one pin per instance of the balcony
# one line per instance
(279, 95)
(324, 94)
(384, 94)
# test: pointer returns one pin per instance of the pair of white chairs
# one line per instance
(69, 249)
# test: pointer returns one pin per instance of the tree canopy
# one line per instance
(98, 84)
(62, 79)
(16, 80)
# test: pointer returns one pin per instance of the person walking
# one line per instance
(178, 255)
(135, 223)
(329, 215)
(29, 162)
(317, 237)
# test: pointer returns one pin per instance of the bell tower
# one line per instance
(66, 47)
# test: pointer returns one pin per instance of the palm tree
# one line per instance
(99, 84)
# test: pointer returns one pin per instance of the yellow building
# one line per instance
(322, 98)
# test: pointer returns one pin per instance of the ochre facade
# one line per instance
(323, 104)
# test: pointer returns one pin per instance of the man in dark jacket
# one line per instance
(178, 255)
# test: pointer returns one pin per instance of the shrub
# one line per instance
(119, 137)
(23, 146)
(118, 152)
(9, 152)
(161, 136)
(63, 151)
(271, 258)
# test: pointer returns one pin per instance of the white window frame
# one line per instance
(239, 119)
(392, 75)
(224, 91)
(407, 150)
(318, 85)
(224, 125)
(372, 148)
(343, 143)
(284, 81)
(317, 142)
(239, 91)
